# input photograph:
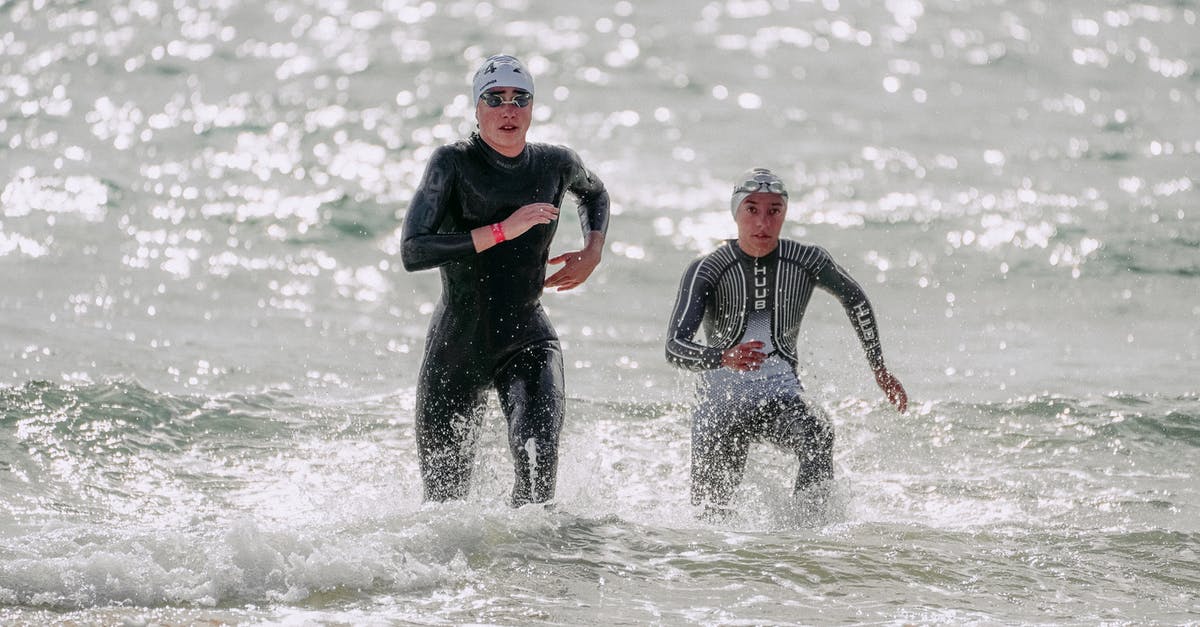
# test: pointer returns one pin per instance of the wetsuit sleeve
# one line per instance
(591, 196)
(682, 349)
(834, 279)
(422, 246)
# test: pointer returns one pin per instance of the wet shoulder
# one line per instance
(450, 156)
(809, 257)
(553, 155)
(454, 150)
(716, 264)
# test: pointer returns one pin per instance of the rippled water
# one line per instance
(210, 347)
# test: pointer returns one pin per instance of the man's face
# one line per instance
(504, 127)
(759, 221)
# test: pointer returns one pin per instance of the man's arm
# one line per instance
(834, 279)
(422, 246)
(682, 350)
(592, 199)
(591, 195)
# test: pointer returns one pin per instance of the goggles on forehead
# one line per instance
(521, 99)
(750, 186)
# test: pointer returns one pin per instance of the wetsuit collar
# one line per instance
(495, 158)
(767, 257)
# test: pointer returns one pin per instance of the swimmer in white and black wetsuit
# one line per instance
(485, 213)
(750, 295)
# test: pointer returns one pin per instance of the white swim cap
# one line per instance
(756, 180)
(501, 70)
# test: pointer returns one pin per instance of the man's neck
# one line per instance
(756, 250)
(510, 151)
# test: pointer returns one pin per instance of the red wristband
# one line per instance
(498, 232)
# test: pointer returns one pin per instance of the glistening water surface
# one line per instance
(210, 348)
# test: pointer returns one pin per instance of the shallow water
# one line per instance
(211, 346)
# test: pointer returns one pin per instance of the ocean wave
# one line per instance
(440, 559)
(241, 563)
(120, 452)
(117, 450)
(1150, 419)
(322, 509)
(122, 417)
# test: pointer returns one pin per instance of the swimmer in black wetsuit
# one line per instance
(484, 214)
(751, 294)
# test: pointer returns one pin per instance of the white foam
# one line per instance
(241, 562)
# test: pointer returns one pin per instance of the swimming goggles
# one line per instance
(521, 99)
(750, 186)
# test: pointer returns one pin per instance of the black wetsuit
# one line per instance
(489, 329)
(739, 298)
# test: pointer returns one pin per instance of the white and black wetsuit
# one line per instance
(738, 298)
(489, 328)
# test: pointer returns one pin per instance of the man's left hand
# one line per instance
(577, 265)
(892, 387)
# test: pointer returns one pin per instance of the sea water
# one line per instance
(208, 347)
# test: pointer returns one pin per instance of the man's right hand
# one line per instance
(744, 357)
(514, 225)
(527, 217)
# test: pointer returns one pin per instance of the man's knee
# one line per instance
(445, 472)
(802, 428)
(532, 394)
(820, 433)
(717, 464)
